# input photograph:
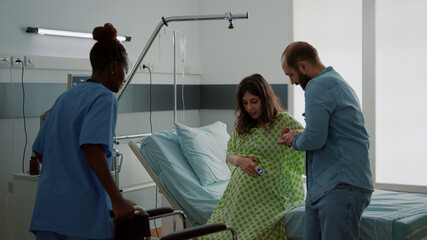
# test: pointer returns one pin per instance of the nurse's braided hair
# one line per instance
(107, 48)
(256, 85)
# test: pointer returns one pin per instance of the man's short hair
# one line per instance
(300, 51)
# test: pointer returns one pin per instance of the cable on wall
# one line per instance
(23, 113)
(13, 119)
(13, 152)
(151, 131)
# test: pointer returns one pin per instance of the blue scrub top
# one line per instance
(70, 198)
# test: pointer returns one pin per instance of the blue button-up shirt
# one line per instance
(335, 138)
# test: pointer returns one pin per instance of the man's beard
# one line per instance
(303, 79)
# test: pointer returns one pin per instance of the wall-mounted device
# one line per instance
(74, 80)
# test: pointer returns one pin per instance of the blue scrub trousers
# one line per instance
(336, 215)
(45, 235)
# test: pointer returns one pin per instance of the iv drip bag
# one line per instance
(182, 45)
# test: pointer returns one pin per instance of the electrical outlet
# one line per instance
(5, 61)
(150, 66)
(142, 69)
(29, 62)
(17, 61)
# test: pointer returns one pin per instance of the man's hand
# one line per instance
(288, 136)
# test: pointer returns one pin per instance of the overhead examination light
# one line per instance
(44, 31)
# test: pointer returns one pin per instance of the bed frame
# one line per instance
(135, 149)
(411, 225)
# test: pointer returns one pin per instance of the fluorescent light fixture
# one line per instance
(44, 31)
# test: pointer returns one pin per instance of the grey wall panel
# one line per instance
(39, 97)
(191, 97)
(281, 91)
(224, 96)
(217, 96)
(136, 98)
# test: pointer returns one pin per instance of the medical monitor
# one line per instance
(74, 80)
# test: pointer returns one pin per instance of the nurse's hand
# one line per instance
(97, 160)
(248, 164)
(122, 208)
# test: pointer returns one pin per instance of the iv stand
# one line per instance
(174, 78)
(228, 16)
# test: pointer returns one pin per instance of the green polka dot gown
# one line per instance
(255, 206)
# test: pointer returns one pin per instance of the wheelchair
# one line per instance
(138, 228)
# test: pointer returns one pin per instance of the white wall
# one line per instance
(334, 28)
(377, 46)
(210, 116)
(254, 45)
(401, 82)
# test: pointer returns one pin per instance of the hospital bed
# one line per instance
(391, 215)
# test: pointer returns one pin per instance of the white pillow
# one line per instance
(205, 150)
